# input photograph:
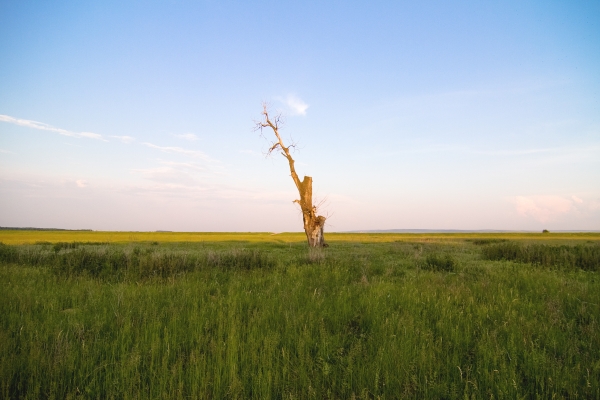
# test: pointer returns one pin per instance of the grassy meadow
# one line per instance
(256, 315)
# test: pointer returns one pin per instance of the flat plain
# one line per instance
(259, 315)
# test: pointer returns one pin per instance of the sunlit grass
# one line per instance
(268, 319)
(559, 256)
(30, 237)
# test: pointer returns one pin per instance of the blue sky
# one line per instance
(408, 115)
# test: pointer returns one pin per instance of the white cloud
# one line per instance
(148, 205)
(91, 135)
(4, 151)
(296, 106)
(179, 150)
(542, 208)
(166, 175)
(81, 183)
(577, 199)
(252, 153)
(177, 174)
(45, 127)
(125, 139)
(187, 136)
(193, 166)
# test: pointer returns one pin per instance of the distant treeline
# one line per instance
(8, 228)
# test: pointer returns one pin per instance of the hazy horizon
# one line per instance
(430, 115)
(300, 231)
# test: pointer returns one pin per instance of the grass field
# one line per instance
(31, 237)
(255, 315)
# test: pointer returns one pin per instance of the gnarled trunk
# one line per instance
(313, 223)
(314, 231)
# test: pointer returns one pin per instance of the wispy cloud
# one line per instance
(187, 136)
(178, 150)
(4, 151)
(295, 105)
(542, 208)
(45, 127)
(124, 139)
(189, 174)
(166, 175)
(193, 166)
(91, 135)
(577, 199)
(81, 183)
(168, 183)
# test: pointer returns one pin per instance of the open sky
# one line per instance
(130, 115)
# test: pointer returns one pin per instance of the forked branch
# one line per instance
(285, 150)
(313, 223)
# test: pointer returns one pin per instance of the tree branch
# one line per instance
(313, 223)
(285, 151)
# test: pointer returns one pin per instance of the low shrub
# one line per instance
(581, 256)
(8, 254)
(241, 259)
(438, 262)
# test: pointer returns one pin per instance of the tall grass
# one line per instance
(135, 263)
(273, 321)
(438, 262)
(586, 257)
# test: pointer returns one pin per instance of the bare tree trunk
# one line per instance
(314, 232)
(313, 223)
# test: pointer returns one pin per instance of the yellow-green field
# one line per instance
(158, 315)
(33, 236)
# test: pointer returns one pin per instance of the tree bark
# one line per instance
(313, 224)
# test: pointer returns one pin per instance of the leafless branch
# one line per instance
(313, 223)
(278, 143)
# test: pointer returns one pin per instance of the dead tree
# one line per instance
(313, 223)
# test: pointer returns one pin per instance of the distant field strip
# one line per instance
(31, 237)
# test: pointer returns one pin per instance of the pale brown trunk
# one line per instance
(314, 231)
(313, 223)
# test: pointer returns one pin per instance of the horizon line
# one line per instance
(4, 228)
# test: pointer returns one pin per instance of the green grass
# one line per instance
(423, 317)
(130, 264)
(581, 256)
